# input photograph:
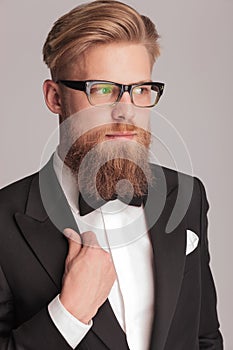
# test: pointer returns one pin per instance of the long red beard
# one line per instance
(99, 165)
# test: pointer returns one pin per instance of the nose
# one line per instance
(124, 109)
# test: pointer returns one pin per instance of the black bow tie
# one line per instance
(93, 203)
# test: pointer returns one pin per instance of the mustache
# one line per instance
(121, 127)
(115, 127)
(99, 133)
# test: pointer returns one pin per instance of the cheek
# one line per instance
(73, 102)
(142, 119)
(86, 120)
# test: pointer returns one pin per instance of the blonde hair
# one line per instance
(97, 22)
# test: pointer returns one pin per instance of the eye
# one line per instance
(100, 89)
(142, 90)
(106, 90)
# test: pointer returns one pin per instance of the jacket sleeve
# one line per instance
(209, 334)
(35, 334)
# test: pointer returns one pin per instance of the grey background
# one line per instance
(196, 65)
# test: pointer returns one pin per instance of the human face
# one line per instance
(84, 126)
(120, 63)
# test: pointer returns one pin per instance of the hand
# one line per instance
(88, 278)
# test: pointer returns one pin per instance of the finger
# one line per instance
(89, 240)
(74, 240)
(72, 235)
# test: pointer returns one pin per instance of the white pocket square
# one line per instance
(192, 241)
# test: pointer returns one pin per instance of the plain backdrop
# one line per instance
(196, 65)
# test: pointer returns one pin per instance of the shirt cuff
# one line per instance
(70, 327)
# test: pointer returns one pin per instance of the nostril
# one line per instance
(120, 116)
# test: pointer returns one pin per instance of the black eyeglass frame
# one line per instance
(86, 85)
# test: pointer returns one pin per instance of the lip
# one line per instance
(121, 135)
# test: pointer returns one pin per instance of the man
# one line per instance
(116, 279)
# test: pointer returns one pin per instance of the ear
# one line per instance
(52, 96)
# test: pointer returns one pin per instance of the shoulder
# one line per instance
(14, 196)
(175, 178)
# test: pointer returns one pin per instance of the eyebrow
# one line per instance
(142, 81)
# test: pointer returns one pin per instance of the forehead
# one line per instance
(119, 62)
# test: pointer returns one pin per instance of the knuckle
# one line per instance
(106, 257)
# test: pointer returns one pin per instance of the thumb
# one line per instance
(89, 239)
(74, 240)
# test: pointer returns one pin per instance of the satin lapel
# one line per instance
(47, 214)
(169, 259)
(47, 243)
(107, 328)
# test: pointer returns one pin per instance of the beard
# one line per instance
(104, 168)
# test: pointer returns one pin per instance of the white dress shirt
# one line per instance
(121, 230)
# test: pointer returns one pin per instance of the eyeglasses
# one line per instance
(100, 92)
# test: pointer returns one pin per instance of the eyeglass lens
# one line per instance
(107, 93)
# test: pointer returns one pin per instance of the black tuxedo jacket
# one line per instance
(33, 252)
